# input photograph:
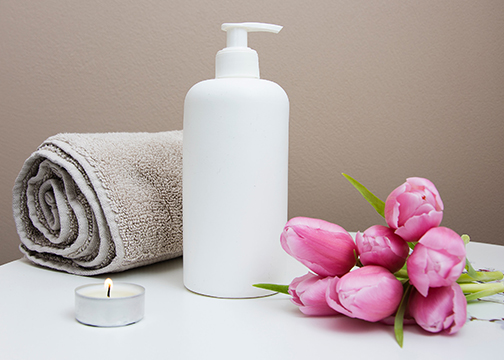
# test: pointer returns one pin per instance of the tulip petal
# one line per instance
(459, 308)
(392, 206)
(416, 226)
(332, 298)
(413, 208)
(429, 188)
(378, 245)
(431, 312)
(325, 248)
(369, 293)
(416, 266)
(409, 202)
(444, 308)
(309, 293)
(437, 260)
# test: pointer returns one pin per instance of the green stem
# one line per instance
(399, 318)
(476, 291)
(475, 287)
(357, 260)
(403, 274)
(481, 276)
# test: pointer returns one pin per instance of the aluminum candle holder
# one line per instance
(109, 306)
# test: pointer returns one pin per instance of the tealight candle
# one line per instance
(109, 304)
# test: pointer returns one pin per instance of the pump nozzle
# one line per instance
(237, 32)
(238, 60)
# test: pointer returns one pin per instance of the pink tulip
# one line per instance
(413, 208)
(378, 245)
(325, 248)
(308, 292)
(437, 260)
(445, 308)
(369, 293)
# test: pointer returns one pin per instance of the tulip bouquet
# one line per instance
(411, 271)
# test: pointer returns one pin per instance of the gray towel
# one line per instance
(90, 204)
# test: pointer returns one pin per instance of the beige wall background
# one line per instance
(381, 90)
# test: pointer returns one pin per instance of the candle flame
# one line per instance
(108, 283)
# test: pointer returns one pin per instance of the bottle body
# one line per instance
(235, 157)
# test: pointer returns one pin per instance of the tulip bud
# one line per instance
(308, 292)
(445, 308)
(378, 245)
(413, 208)
(437, 260)
(325, 248)
(369, 293)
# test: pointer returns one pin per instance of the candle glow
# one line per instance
(108, 285)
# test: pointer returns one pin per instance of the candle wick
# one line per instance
(108, 291)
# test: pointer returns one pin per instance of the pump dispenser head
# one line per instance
(237, 59)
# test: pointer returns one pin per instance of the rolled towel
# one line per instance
(90, 204)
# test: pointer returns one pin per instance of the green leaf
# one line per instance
(378, 204)
(399, 318)
(470, 270)
(284, 289)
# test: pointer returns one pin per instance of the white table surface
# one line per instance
(37, 322)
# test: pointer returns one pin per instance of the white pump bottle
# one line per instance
(235, 166)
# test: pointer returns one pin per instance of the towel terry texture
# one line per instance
(90, 204)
